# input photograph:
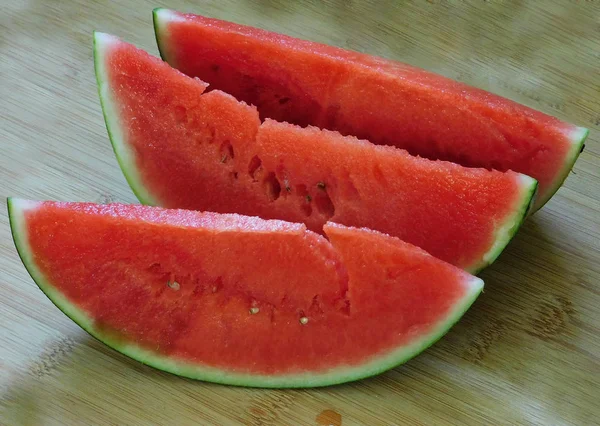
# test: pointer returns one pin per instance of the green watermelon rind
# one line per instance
(377, 365)
(125, 157)
(160, 34)
(577, 138)
(506, 232)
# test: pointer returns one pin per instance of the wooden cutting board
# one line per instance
(528, 352)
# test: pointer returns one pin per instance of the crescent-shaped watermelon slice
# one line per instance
(384, 101)
(239, 300)
(180, 148)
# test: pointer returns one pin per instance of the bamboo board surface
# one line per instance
(528, 352)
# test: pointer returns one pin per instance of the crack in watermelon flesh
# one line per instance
(386, 102)
(182, 148)
(259, 303)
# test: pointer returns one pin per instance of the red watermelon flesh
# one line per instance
(180, 148)
(237, 299)
(386, 102)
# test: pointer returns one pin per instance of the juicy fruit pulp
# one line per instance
(386, 102)
(237, 299)
(181, 148)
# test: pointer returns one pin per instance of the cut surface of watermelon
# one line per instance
(182, 148)
(239, 300)
(384, 101)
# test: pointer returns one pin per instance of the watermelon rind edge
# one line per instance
(125, 157)
(377, 365)
(577, 139)
(508, 229)
(159, 33)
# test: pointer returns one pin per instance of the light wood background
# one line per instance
(528, 352)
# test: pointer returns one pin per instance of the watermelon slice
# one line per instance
(383, 101)
(180, 148)
(239, 300)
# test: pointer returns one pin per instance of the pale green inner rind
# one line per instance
(376, 365)
(116, 131)
(507, 230)
(577, 140)
(160, 18)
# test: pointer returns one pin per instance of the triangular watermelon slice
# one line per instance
(180, 148)
(239, 300)
(384, 101)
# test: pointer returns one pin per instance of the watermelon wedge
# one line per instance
(386, 102)
(180, 148)
(239, 300)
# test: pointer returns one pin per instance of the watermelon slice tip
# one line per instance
(115, 134)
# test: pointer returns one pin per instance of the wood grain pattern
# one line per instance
(528, 352)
